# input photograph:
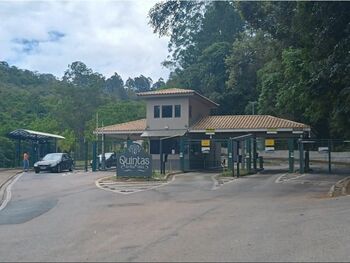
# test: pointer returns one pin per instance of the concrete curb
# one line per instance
(5, 184)
(340, 188)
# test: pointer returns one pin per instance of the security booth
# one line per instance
(181, 134)
(36, 143)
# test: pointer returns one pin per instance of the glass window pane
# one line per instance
(177, 111)
(167, 111)
(156, 111)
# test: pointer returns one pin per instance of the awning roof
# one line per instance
(163, 133)
(32, 135)
(245, 122)
(221, 124)
(175, 92)
(130, 127)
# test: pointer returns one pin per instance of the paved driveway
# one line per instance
(65, 217)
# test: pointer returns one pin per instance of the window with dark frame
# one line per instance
(177, 111)
(156, 111)
(167, 111)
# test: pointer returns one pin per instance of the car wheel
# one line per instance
(37, 171)
(59, 169)
(71, 168)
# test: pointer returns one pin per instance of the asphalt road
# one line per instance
(65, 217)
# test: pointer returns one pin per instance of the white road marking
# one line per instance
(132, 187)
(8, 194)
(280, 179)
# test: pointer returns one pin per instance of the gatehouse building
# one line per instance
(179, 124)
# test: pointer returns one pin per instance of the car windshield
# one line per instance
(52, 157)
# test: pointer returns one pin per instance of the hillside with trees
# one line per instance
(289, 59)
(67, 106)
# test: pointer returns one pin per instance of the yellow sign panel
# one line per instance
(205, 143)
(269, 142)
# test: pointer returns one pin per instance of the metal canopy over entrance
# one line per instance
(22, 134)
(36, 143)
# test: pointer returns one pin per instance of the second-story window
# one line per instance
(177, 111)
(156, 111)
(167, 111)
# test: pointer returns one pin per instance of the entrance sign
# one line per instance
(323, 149)
(205, 149)
(205, 143)
(271, 131)
(209, 131)
(297, 131)
(134, 162)
(269, 142)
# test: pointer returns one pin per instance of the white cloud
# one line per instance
(108, 36)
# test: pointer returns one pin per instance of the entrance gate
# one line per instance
(204, 154)
(239, 155)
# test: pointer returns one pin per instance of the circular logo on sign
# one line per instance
(134, 149)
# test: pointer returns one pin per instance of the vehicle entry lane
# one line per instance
(250, 219)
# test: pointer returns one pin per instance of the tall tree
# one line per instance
(139, 84)
(115, 87)
(80, 95)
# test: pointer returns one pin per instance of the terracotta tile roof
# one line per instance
(245, 122)
(176, 91)
(173, 91)
(134, 126)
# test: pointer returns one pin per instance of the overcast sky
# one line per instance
(108, 36)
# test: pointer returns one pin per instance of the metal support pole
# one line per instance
(94, 156)
(307, 161)
(238, 159)
(128, 142)
(301, 156)
(103, 157)
(182, 154)
(230, 156)
(86, 155)
(249, 147)
(329, 157)
(291, 154)
(254, 154)
(19, 153)
(161, 155)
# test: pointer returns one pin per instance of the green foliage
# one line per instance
(114, 113)
(115, 87)
(139, 84)
(292, 58)
(249, 53)
(67, 144)
(305, 80)
(67, 107)
(201, 36)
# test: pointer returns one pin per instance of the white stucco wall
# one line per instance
(172, 123)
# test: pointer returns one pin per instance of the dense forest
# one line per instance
(287, 59)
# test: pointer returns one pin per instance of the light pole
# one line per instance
(253, 103)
